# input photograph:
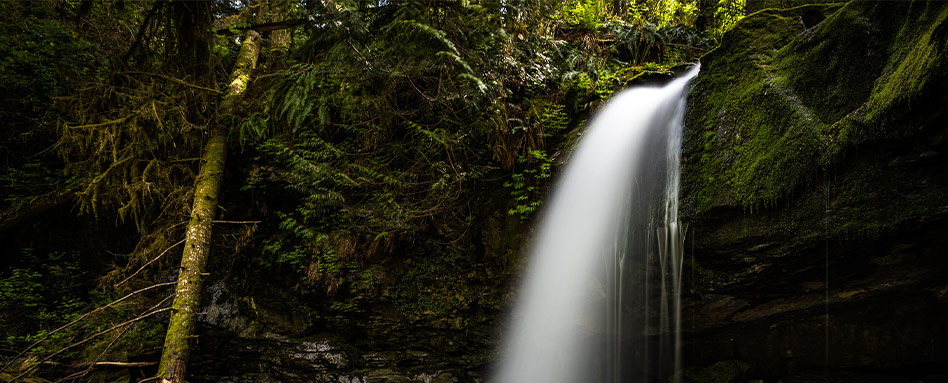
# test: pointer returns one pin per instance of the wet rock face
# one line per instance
(817, 192)
(881, 309)
(419, 320)
(225, 357)
(246, 339)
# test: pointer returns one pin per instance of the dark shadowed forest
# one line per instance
(346, 190)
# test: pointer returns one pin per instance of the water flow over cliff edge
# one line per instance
(604, 269)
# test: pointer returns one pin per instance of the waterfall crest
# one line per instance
(600, 300)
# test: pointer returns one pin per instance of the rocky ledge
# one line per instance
(816, 184)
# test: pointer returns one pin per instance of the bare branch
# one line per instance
(238, 222)
(148, 263)
(92, 365)
(83, 316)
(141, 31)
(172, 79)
(96, 335)
(264, 27)
(96, 125)
(14, 216)
(104, 364)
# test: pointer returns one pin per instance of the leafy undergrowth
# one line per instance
(379, 135)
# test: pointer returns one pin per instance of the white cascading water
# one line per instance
(600, 300)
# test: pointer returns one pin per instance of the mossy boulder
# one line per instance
(779, 101)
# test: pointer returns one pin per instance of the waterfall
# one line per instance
(600, 299)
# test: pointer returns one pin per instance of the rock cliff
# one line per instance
(815, 179)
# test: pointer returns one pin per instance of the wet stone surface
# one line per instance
(361, 346)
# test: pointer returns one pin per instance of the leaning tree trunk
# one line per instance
(174, 356)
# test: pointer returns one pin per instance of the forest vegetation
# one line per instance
(307, 145)
(340, 190)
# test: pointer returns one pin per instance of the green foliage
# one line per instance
(42, 293)
(445, 285)
(642, 42)
(527, 187)
(39, 59)
(386, 119)
(132, 134)
(593, 14)
(588, 14)
(727, 14)
(20, 185)
(252, 129)
(46, 288)
(373, 141)
(133, 147)
(52, 59)
(664, 13)
(528, 184)
(430, 287)
(21, 289)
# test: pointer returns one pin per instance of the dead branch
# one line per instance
(83, 316)
(103, 364)
(139, 37)
(148, 263)
(91, 337)
(172, 79)
(238, 222)
(13, 216)
(91, 365)
(263, 27)
(125, 364)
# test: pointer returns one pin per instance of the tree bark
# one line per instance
(174, 357)
(18, 215)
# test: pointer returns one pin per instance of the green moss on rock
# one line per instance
(918, 66)
(820, 65)
(750, 138)
(780, 101)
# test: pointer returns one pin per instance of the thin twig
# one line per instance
(91, 365)
(148, 263)
(125, 364)
(238, 222)
(177, 224)
(108, 122)
(83, 316)
(104, 364)
(96, 335)
(139, 37)
(172, 79)
(184, 160)
(95, 362)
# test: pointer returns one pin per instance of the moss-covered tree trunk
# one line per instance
(174, 357)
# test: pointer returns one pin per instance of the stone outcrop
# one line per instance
(816, 183)
(284, 339)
